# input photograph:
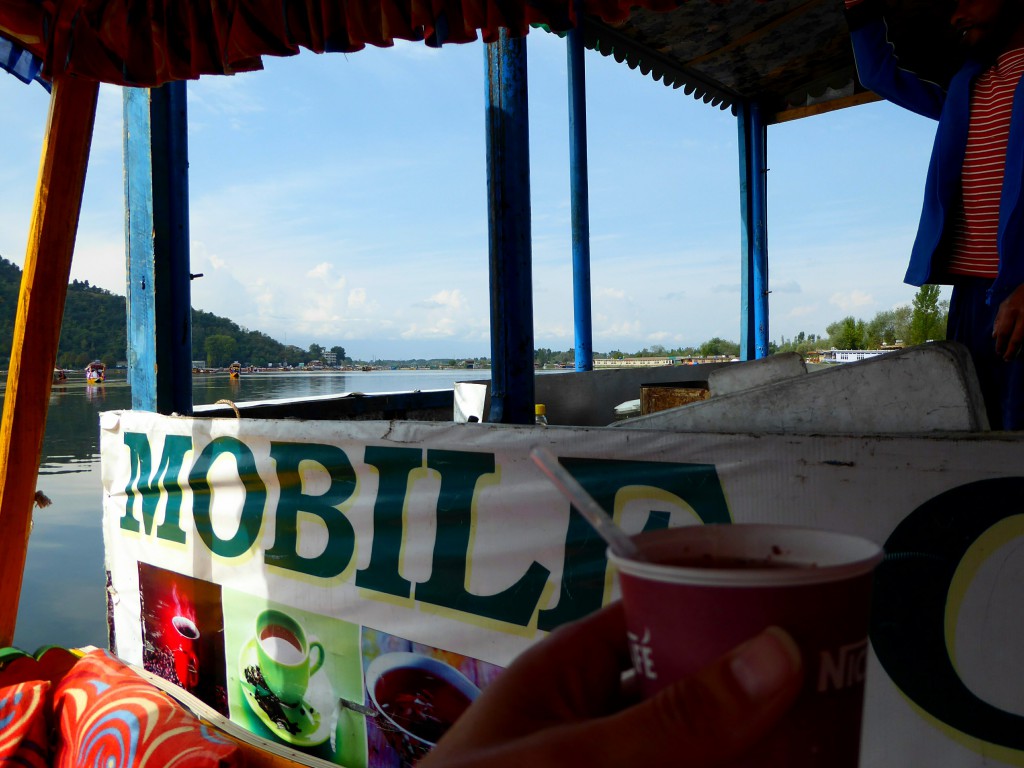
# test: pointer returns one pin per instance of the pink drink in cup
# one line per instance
(706, 589)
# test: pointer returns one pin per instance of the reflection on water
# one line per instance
(62, 597)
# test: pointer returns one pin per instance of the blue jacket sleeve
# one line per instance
(879, 70)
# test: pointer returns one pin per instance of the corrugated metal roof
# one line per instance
(791, 56)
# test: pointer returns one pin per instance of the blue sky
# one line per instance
(340, 199)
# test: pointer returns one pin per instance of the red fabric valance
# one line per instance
(149, 42)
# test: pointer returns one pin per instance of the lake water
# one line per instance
(62, 596)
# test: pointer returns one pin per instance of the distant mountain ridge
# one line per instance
(95, 327)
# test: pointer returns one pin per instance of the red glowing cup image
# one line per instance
(418, 698)
(705, 589)
(183, 647)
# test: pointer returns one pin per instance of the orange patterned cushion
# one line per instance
(23, 724)
(108, 715)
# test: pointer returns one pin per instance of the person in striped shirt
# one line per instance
(971, 233)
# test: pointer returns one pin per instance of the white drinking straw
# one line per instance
(618, 540)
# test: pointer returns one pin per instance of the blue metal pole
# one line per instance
(753, 141)
(579, 198)
(759, 155)
(157, 242)
(746, 303)
(509, 236)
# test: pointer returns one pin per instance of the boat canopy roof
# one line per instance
(790, 56)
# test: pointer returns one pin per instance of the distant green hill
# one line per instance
(95, 328)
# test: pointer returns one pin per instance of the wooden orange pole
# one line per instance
(44, 285)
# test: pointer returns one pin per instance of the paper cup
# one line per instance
(706, 589)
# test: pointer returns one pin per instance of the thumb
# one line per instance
(714, 716)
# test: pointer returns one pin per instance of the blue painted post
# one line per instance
(746, 303)
(753, 142)
(579, 195)
(158, 292)
(509, 237)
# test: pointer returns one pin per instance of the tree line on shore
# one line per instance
(95, 328)
(924, 319)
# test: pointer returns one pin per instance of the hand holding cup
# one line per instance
(695, 592)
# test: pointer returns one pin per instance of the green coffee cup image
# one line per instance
(286, 657)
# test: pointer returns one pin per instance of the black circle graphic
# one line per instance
(909, 604)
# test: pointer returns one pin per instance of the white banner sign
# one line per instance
(319, 582)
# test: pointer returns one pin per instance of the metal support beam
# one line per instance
(509, 240)
(753, 153)
(579, 199)
(158, 290)
(44, 284)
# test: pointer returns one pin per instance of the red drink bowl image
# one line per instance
(418, 698)
(702, 590)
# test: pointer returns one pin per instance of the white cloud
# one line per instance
(803, 311)
(449, 300)
(319, 311)
(443, 328)
(623, 329)
(264, 297)
(321, 271)
(204, 259)
(357, 298)
(851, 300)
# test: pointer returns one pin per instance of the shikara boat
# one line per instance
(390, 535)
(95, 372)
